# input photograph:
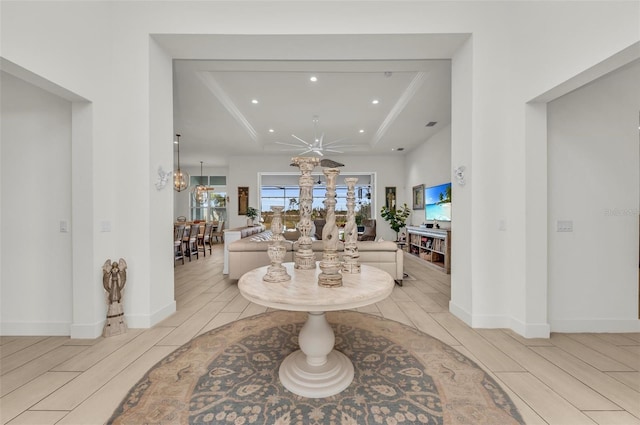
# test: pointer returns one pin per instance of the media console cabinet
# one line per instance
(431, 245)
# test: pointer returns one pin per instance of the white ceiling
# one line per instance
(213, 93)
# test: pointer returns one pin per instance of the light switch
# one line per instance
(105, 226)
(502, 225)
(64, 226)
(564, 226)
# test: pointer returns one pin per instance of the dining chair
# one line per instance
(178, 249)
(203, 239)
(191, 241)
(218, 232)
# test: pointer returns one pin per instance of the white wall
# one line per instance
(428, 164)
(36, 197)
(594, 169)
(101, 50)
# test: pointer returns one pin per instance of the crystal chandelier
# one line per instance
(180, 178)
(201, 191)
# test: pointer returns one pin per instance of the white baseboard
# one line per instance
(35, 328)
(530, 330)
(145, 321)
(87, 330)
(489, 322)
(460, 313)
(596, 325)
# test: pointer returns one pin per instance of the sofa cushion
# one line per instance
(255, 245)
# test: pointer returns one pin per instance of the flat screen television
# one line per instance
(437, 202)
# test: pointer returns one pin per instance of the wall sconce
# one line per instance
(459, 175)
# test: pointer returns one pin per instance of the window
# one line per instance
(215, 208)
(289, 198)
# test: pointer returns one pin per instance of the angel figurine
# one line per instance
(114, 277)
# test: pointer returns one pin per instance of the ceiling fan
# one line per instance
(317, 146)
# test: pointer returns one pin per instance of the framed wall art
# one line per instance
(390, 198)
(418, 197)
(243, 200)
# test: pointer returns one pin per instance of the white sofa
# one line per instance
(248, 253)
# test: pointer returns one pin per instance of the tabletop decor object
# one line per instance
(276, 251)
(330, 265)
(351, 256)
(304, 257)
(114, 277)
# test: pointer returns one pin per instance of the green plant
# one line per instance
(396, 218)
(252, 212)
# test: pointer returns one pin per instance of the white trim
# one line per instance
(145, 321)
(87, 331)
(460, 313)
(530, 330)
(596, 325)
(489, 321)
(35, 328)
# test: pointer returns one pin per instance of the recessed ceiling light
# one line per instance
(375, 101)
(361, 130)
(397, 149)
(254, 101)
(271, 130)
(313, 79)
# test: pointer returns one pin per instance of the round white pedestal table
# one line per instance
(316, 370)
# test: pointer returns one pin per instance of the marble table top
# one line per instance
(302, 292)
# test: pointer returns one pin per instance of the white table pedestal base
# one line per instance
(316, 370)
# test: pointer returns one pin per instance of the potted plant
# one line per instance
(396, 217)
(252, 213)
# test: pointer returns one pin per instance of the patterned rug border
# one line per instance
(463, 413)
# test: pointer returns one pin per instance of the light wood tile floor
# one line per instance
(567, 379)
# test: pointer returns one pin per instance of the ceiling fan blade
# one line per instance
(307, 151)
(333, 150)
(318, 152)
(290, 144)
(333, 142)
(321, 139)
(306, 143)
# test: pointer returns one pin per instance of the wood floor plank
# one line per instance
(489, 356)
(220, 319)
(571, 344)
(554, 409)
(236, 305)
(533, 342)
(192, 326)
(34, 417)
(423, 321)
(391, 311)
(529, 416)
(97, 352)
(98, 408)
(618, 354)
(614, 390)
(613, 418)
(573, 390)
(30, 353)
(618, 339)
(252, 310)
(17, 343)
(631, 379)
(76, 391)
(29, 371)
(24, 397)
(424, 300)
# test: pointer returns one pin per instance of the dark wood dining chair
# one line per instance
(203, 239)
(178, 245)
(191, 241)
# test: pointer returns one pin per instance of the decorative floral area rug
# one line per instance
(230, 376)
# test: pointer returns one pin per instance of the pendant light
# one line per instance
(201, 191)
(180, 178)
